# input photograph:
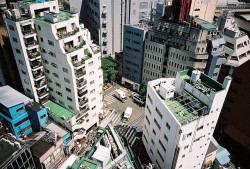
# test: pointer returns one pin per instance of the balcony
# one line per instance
(40, 84)
(33, 55)
(42, 93)
(81, 93)
(31, 44)
(81, 84)
(35, 64)
(68, 47)
(80, 74)
(83, 102)
(197, 65)
(38, 75)
(67, 34)
(28, 32)
(79, 64)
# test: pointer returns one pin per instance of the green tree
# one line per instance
(109, 72)
(143, 91)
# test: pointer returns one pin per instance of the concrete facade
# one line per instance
(181, 127)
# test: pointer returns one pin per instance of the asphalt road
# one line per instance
(111, 101)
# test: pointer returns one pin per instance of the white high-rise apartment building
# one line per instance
(180, 118)
(56, 57)
(105, 19)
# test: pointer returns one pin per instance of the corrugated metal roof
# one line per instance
(9, 97)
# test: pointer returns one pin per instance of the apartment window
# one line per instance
(66, 80)
(41, 39)
(18, 51)
(183, 156)
(70, 99)
(152, 141)
(56, 75)
(92, 82)
(180, 166)
(51, 43)
(59, 93)
(186, 147)
(57, 84)
(52, 54)
(25, 81)
(70, 107)
(54, 65)
(90, 63)
(149, 110)
(39, 27)
(162, 146)
(147, 120)
(11, 27)
(23, 72)
(49, 80)
(14, 39)
(45, 61)
(159, 113)
(154, 132)
(92, 100)
(28, 90)
(157, 124)
(189, 134)
(168, 126)
(162, 159)
(50, 89)
(43, 50)
(199, 128)
(65, 70)
(158, 164)
(57, 151)
(42, 116)
(165, 137)
(92, 91)
(150, 99)
(91, 73)
(68, 90)
(21, 122)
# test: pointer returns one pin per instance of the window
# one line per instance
(189, 134)
(165, 137)
(59, 93)
(28, 90)
(11, 27)
(70, 107)
(92, 91)
(152, 141)
(186, 147)
(162, 146)
(92, 82)
(61, 102)
(51, 43)
(70, 99)
(52, 54)
(66, 80)
(157, 124)
(148, 110)
(151, 151)
(90, 63)
(50, 89)
(42, 116)
(92, 100)
(56, 75)
(199, 128)
(91, 73)
(147, 120)
(54, 65)
(145, 139)
(183, 156)
(57, 84)
(162, 159)
(18, 51)
(154, 132)
(159, 113)
(68, 90)
(14, 39)
(22, 121)
(168, 126)
(23, 72)
(39, 27)
(41, 39)
(65, 70)
(150, 99)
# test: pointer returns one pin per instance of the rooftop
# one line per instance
(34, 1)
(58, 110)
(204, 85)
(207, 26)
(35, 106)
(9, 97)
(63, 15)
(86, 162)
(53, 127)
(7, 151)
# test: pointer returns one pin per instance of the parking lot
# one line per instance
(111, 102)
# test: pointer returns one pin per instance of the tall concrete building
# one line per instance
(172, 47)
(105, 19)
(180, 118)
(56, 58)
(203, 9)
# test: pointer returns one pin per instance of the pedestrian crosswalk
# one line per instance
(116, 118)
(110, 98)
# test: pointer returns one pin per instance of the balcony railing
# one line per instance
(38, 75)
(30, 44)
(83, 102)
(80, 73)
(82, 93)
(35, 65)
(42, 93)
(28, 32)
(72, 49)
(33, 55)
(67, 34)
(80, 84)
(40, 84)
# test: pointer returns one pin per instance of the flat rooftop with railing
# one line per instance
(63, 15)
